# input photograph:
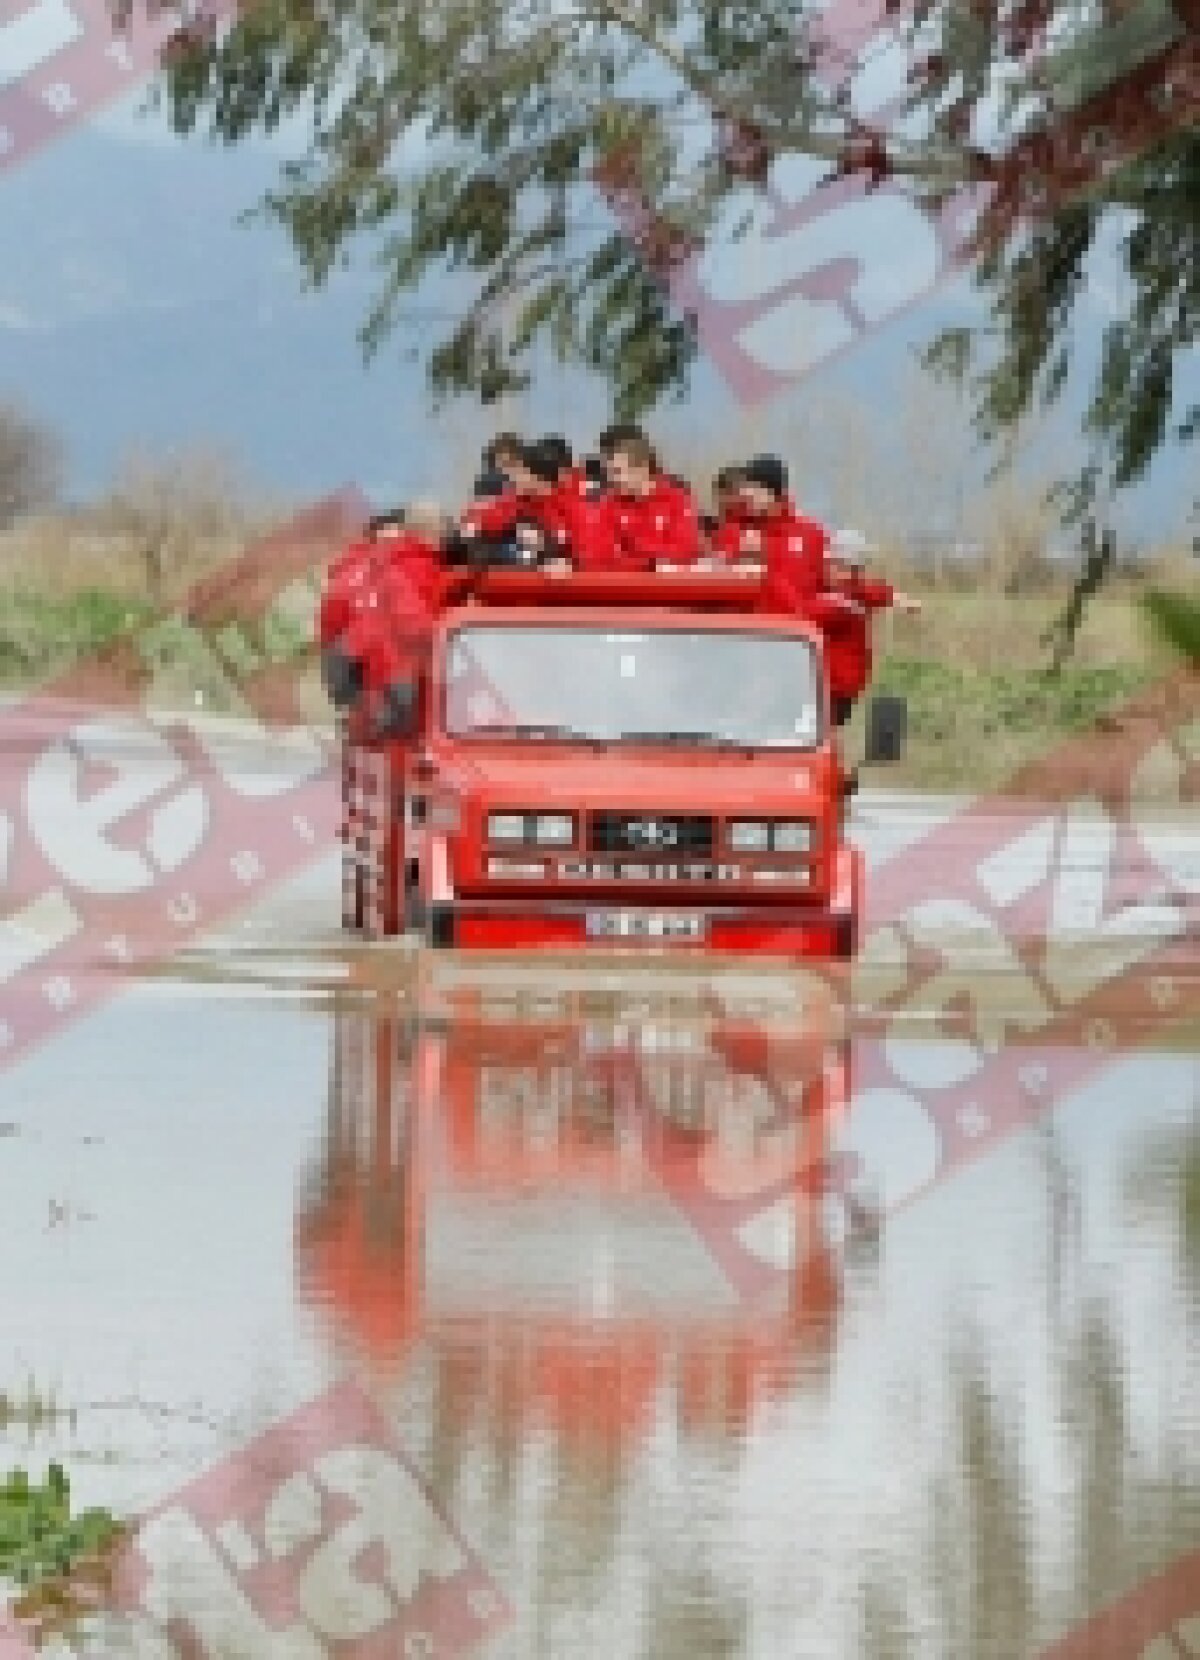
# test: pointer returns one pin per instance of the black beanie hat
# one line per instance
(767, 471)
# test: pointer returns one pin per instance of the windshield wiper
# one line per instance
(535, 731)
(688, 740)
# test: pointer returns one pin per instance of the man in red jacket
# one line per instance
(794, 550)
(530, 522)
(727, 508)
(649, 520)
(849, 653)
(578, 507)
(764, 528)
(380, 597)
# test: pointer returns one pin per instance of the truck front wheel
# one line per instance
(414, 901)
(846, 938)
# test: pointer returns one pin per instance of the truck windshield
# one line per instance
(668, 686)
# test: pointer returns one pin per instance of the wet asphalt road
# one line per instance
(648, 1315)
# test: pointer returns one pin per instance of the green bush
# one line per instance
(39, 1538)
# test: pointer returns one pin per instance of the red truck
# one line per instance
(567, 759)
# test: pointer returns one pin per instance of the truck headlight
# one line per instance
(516, 870)
(531, 829)
(554, 830)
(776, 835)
(792, 836)
(507, 829)
(750, 836)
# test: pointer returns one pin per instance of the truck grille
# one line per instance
(651, 835)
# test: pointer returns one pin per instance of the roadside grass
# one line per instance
(1176, 618)
(974, 729)
(974, 667)
(42, 634)
(71, 593)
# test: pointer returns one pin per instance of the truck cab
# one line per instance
(627, 762)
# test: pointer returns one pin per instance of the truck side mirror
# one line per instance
(397, 715)
(887, 728)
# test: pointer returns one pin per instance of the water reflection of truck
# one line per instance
(564, 760)
(605, 1207)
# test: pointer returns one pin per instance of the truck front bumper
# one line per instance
(822, 934)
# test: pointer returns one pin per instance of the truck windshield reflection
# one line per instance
(664, 686)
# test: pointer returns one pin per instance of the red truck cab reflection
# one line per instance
(564, 1194)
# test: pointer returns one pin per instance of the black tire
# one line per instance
(847, 939)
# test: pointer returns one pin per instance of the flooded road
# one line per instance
(670, 1312)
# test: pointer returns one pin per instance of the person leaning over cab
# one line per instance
(467, 541)
(375, 614)
(405, 541)
(503, 529)
(799, 579)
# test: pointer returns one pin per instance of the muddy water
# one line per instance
(614, 1319)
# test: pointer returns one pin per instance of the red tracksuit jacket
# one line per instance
(871, 591)
(793, 551)
(581, 512)
(388, 616)
(797, 582)
(633, 533)
(848, 644)
(369, 567)
(496, 518)
(342, 579)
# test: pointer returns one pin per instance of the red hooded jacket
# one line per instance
(343, 578)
